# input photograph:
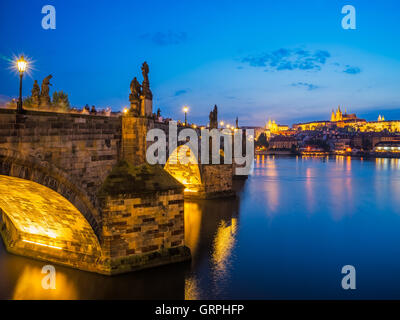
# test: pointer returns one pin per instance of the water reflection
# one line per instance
(210, 232)
(294, 224)
(210, 229)
(29, 286)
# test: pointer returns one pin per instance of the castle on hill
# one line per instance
(339, 116)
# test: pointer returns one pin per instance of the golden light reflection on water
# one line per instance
(192, 291)
(224, 242)
(29, 286)
(210, 233)
(272, 192)
(193, 216)
(310, 202)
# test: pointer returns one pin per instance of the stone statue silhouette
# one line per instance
(36, 89)
(134, 97)
(136, 89)
(44, 95)
(146, 92)
(213, 117)
(35, 94)
(145, 72)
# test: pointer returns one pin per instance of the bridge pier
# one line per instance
(143, 218)
(142, 208)
(216, 182)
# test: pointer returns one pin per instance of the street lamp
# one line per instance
(21, 66)
(221, 123)
(185, 110)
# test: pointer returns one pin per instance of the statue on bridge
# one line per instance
(146, 92)
(35, 94)
(214, 118)
(45, 94)
(134, 97)
(141, 97)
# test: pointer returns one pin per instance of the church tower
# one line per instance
(339, 116)
(333, 117)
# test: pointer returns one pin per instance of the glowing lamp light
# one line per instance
(185, 110)
(125, 110)
(221, 123)
(21, 64)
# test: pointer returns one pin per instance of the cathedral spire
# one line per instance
(333, 117)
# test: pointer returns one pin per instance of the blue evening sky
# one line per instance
(286, 60)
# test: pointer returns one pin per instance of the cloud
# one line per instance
(289, 59)
(165, 38)
(351, 70)
(180, 92)
(309, 86)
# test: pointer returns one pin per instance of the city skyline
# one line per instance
(256, 61)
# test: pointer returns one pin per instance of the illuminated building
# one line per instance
(314, 125)
(273, 127)
(381, 125)
(283, 143)
(387, 147)
(344, 120)
(339, 116)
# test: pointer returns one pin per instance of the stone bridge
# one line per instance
(76, 190)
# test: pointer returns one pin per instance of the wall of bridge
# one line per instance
(70, 153)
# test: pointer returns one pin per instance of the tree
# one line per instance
(262, 141)
(27, 102)
(60, 100)
(293, 149)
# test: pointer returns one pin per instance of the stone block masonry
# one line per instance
(143, 218)
(69, 153)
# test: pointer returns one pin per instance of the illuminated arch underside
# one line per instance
(187, 174)
(44, 221)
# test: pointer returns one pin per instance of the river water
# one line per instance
(293, 226)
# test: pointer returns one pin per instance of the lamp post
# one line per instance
(21, 65)
(185, 110)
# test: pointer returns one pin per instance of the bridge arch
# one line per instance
(189, 173)
(38, 222)
(27, 167)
